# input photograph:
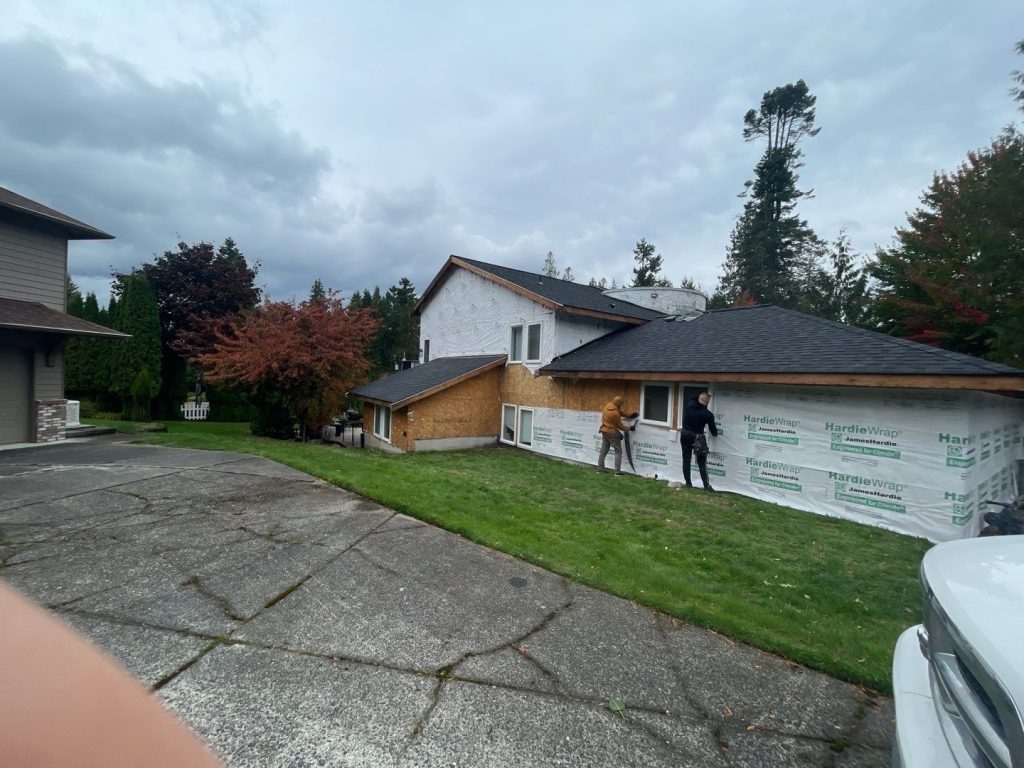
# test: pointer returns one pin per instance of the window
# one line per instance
(687, 394)
(382, 422)
(515, 347)
(533, 343)
(656, 403)
(508, 424)
(526, 426)
(426, 350)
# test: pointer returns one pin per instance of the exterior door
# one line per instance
(15, 395)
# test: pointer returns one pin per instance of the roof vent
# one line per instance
(690, 316)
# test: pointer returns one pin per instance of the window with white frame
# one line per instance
(526, 426)
(533, 343)
(515, 345)
(508, 424)
(382, 422)
(426, 350)
(656, 403)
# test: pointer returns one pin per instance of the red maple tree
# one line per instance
(301, 357)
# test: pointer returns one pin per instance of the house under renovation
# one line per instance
(813, 414)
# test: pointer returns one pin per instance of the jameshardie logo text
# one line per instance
(772, 429)
(864, 439)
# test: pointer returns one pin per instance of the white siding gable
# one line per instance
(469, 315)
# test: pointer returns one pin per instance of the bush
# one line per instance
(228, 404)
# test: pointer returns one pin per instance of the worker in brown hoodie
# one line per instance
(611, 433)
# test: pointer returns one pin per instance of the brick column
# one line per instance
(51, 420)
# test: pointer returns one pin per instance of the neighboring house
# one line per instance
(33, 322)
(813, 414)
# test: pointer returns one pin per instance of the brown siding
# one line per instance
(520, 387)
(47, 381)
(469, 409)
(400, 437)
(33, 266)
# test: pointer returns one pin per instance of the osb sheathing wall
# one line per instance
(469, 409)
(520, 387)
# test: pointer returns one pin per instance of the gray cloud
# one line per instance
(359, 144)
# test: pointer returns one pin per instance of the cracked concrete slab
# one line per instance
(420, 599)
(148, 654)
(603, 647)
(509, 668)
(763, 749)
(293, 623)
(741, 686)
(258, 708)
(483, 726)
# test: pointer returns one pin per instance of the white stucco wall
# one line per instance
(469, 315)
(572, 331)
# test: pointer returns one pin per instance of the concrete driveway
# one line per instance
(292, 623)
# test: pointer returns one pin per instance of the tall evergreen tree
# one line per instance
(647, 272)
(139, 316)
(550, 267)
(317, 292)
(770, 244)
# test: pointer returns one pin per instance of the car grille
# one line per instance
(983, 724)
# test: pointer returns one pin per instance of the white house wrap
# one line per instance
(917, 462)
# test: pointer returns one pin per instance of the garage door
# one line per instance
(15, 395)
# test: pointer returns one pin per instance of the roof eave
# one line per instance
(106, 333)
(73, 230)
(988, 383)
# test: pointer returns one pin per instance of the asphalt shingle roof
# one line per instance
(766, 339)
(33, 316)
(72, 228)
(407, 384)
(566, 292)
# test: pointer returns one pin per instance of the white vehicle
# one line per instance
(958, 678)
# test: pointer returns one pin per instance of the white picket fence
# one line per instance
(193, 412)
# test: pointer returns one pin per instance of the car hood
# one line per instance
(980, 585)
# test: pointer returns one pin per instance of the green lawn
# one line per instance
(827, 593)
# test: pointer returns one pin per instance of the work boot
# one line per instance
(704, 479)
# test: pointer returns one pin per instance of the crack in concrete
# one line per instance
(714, 725)
(379, 566)
(188, 664)
(219, 600)
(323, 566)
(423, 719)
(173, 471)
(133, 622)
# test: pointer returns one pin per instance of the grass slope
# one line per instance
(827, 593)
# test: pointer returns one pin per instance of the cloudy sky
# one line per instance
(363, 142)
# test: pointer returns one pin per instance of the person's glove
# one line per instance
(633, 415)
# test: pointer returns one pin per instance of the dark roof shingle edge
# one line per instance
(76, 230)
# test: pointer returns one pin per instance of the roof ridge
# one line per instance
(977, 362)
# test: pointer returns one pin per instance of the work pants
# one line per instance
(688, 440)
(611, 440)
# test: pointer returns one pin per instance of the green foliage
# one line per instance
(137, 315)
(550, 267)
(229, 404)
(824, 592)
(771, 245)
(398, 337)
(835, 284)
(317, 292)
(952, 276)
(142, 394)
(647, 272)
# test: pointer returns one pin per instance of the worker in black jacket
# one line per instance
(695, 418)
